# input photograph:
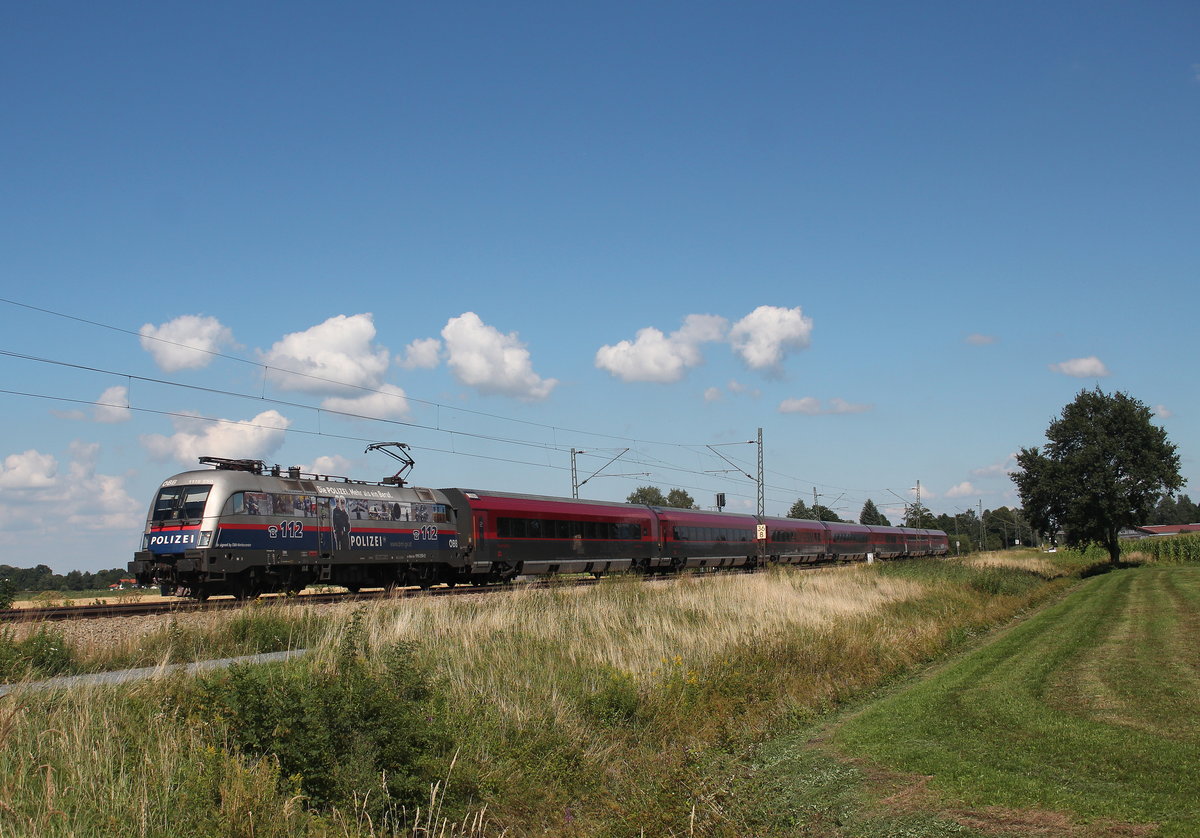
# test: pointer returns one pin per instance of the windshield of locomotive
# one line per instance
(179, 504)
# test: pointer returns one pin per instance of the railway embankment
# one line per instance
(616, 709)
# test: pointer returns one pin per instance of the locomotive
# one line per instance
(239, 527)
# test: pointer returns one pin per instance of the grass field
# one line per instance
(631, 709)
(1091, 708)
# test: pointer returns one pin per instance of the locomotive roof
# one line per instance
(283, 481)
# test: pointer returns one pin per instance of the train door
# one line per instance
(324, 527)
(482, 551)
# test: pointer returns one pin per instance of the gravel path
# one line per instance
(126, 675)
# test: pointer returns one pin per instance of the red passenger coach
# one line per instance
(692, 538)
(795, 540)
(516, 534)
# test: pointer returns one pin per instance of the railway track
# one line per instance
(141, 609)
(180, 606)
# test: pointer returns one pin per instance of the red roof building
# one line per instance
(1169, 529)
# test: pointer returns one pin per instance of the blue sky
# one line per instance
(896, 237)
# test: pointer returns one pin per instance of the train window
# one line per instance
(175, 503)
(533, 528)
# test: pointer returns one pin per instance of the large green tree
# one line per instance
(648, 495)
(800, 510)
(871, 516)
(680, 499)
(1105, 467)
(919, 517)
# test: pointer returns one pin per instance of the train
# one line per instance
(242, 528)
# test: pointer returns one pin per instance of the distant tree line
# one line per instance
(1179, 510)
(653, 496)
(42, 578)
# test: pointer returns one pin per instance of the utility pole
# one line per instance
(762, 497)
(575, 475)
(575, 484)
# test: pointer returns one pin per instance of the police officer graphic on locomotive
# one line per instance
(239, 527)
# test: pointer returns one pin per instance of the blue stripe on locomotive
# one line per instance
(292, 535)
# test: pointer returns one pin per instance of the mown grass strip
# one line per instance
(1091, 707)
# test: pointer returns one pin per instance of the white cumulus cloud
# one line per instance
(977, 339)
(808, 405)
(1161, 412)
(186, 343)
(93, 501)
(50, 505)
(389, 402)
(336, 465)
(763, 337)
(962, 490)
(812, 406)
(327, 356)
(657, 357)
(482, 357)
(421, 354)
(1089, 367)
(113, 405)
(252, 439)
(28, 470)
(842, 406)
(1000, 469)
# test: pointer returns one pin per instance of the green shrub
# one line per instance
(615, 700)
(8, 593)
(11, 665)
(354, 737)
(257, 630)
(43, 653)
(1000, 581)
(47, 652)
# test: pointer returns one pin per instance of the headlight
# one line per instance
(205, 538)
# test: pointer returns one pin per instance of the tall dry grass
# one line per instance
(529, 650)
(574, 704)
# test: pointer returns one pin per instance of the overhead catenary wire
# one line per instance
(639, 454)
